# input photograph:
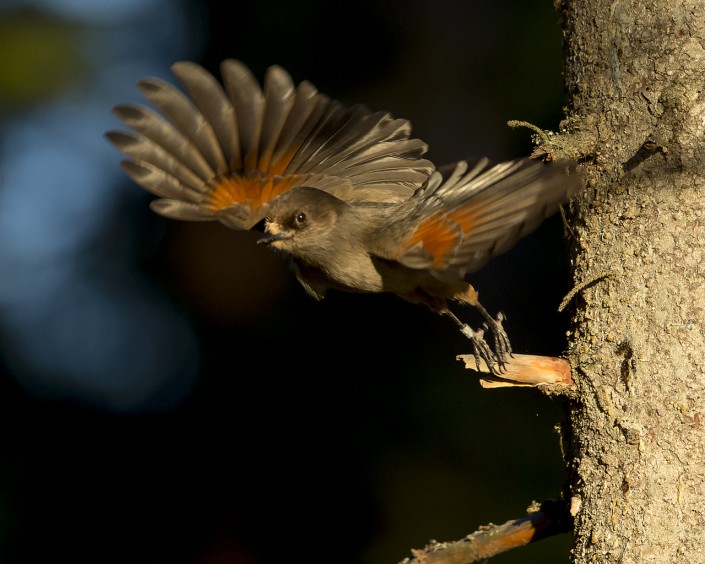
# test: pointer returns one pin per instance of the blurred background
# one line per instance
(168, 393)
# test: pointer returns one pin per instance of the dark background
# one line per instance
(168, 393)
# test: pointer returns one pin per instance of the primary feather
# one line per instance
(459, 223)
(225, 152)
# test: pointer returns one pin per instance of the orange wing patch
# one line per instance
(254, 186)
(253, 190)
(442, 233)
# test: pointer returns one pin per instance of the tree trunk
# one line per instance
(635, 73)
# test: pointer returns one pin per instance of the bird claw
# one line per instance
(497, 359)
(482, 351)
(502, 346)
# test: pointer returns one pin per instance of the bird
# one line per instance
(343, 192)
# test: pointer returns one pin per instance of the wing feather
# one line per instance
(161, 133)
(186, 117)
(226, 151)
(210, 98)
(248, 100)
(477, 213)
(142, 151)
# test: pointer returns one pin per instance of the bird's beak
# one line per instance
(274, 234)
(272, 237)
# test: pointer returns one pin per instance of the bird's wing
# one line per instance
(225, 152)
(459, 223)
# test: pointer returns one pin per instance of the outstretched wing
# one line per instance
(477, 213)
(224, 153)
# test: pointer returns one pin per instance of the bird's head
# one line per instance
(303, 222)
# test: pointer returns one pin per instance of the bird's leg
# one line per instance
(496, 360)
(481, 350)
(502, 346)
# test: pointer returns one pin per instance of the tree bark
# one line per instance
(635, 442)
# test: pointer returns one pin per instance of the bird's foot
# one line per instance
(502, 346)
(482, 351)
(495, 360)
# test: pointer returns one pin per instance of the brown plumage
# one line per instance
(345, 192)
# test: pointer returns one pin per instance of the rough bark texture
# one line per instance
(635, 73)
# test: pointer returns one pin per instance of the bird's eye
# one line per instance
(300, 218)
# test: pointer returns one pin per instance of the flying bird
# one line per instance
(344, 192)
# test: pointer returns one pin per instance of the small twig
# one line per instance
(553, 146)
(566, 223)
(522, 370)
(579, 287)
(540, 132)
(551, 518)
